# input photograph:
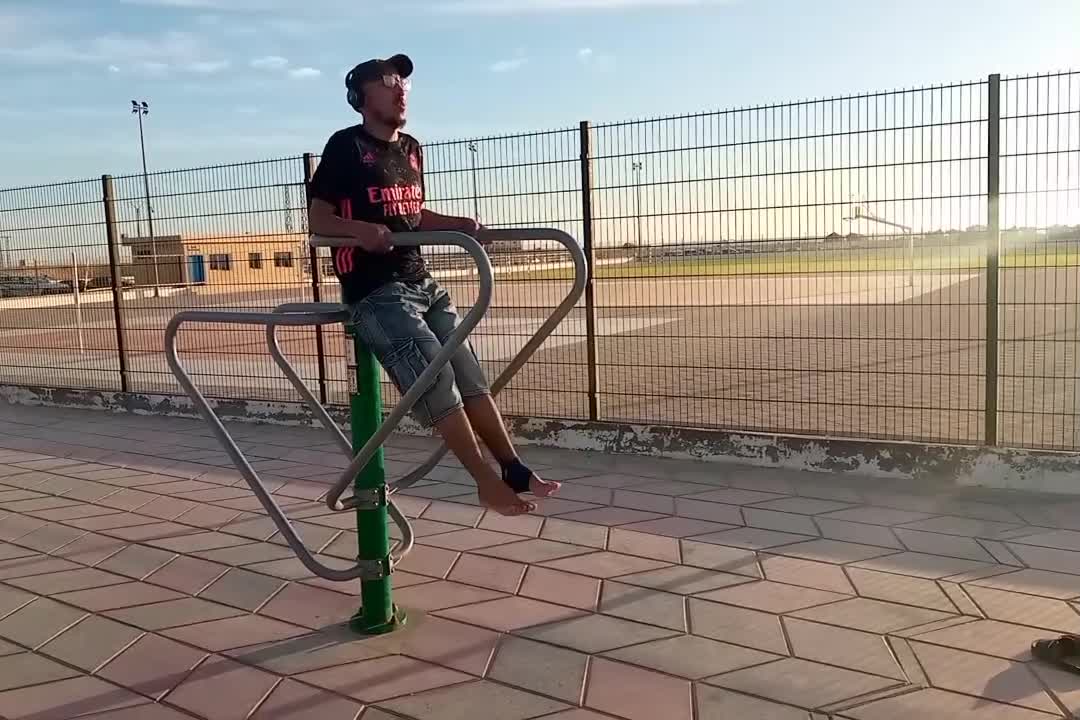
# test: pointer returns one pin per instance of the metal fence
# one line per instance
(896, 265)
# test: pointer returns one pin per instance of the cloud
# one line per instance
(584, 54)
(270, 62)
(505, 66)
(305, 72)
(514, 7)
(114, 69)
(595, 60)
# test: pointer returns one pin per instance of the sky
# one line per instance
(238, 80)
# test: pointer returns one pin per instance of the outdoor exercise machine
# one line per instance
(372, 496)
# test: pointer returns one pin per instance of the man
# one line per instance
(369, 184)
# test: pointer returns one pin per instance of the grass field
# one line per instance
(951, 259)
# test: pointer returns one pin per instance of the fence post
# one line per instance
(108, 198)
(590, 259)
(993, 240)
(316, 280)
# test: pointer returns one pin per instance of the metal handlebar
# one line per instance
(441, 359)
(581, 277)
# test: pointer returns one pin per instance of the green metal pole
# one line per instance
(377, 613)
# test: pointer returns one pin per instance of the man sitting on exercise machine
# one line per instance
(369, 184)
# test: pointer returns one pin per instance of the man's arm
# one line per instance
(330, 188)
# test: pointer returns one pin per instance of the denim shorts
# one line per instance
(404, 324)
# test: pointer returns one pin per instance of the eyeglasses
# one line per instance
(392, 81)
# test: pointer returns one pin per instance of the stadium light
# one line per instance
(860, 214)
(138, 109)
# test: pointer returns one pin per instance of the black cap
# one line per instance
(375, 68)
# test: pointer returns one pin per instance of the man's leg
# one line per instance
(390, 324)
(484, 415)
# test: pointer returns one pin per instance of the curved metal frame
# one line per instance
(326, 314)
(573, 295)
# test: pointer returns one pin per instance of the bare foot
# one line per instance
(499, 497)
(543, 488)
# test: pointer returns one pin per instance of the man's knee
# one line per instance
(440, 396)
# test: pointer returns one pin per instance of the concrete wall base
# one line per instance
(1002, 468)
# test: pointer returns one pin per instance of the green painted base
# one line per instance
(358, 625)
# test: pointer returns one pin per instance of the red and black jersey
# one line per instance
(376, 181)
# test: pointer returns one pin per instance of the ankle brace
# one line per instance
(516, 475)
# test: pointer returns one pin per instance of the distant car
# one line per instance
(25, 286)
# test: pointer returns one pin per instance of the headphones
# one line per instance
(354, 96)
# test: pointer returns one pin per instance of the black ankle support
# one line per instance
(516, 475)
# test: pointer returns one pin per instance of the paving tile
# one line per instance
(310, 607)
(703, 510)
(172, 613)
(643, 501)
(858, 533)
(643, 605)
(38, 621)
(490, 573)
(932, 704)
(735, 496)
(209, 517)
(534, 550)
(982, 676)
(146, 711)
(91, 549)
(967, 527)
(807, 573)
(1060, 539)
(55, 583)
(25, 669)
(586, 494)
(235, 632)
(741, 626)
(560, 587)
(714, 702)
(780, 521)
(113, 597)
(66, 699)
(802, 682)
(611, 480)
(242, 589)
(453, 513)
(7, 648)
(166, 508)
(932, 567)
(326, 647)
(610, 516)
(657, 547)
(802, 505)
(112, 521)
(383, 678)
(1043, 558)
(187, 574)
(832, 551)
(442, 594)
(91, 643)
(940, 544)
(989, 637)
(1035, 582)
(221, 689)
(1026, 609)
(717, 557)
(684, 579)
(473, 700)
(871, 615)
(11, 552)
(50, 537)
(852, 649)
(772, 597)
(637, 694)
(528, 525)
(292, 701)
(1065, 686)
(27, 566)
(136, 561)
(507, 614)
(445, 642)
(552, 671)
(152, 666)
(604, 564)
(595, 633)
(210, 545)
(900, 589)
(678, 527)
(574, 533)
(691, 656)
(751, 538)
(431, 561)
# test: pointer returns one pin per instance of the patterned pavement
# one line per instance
(139, 580)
